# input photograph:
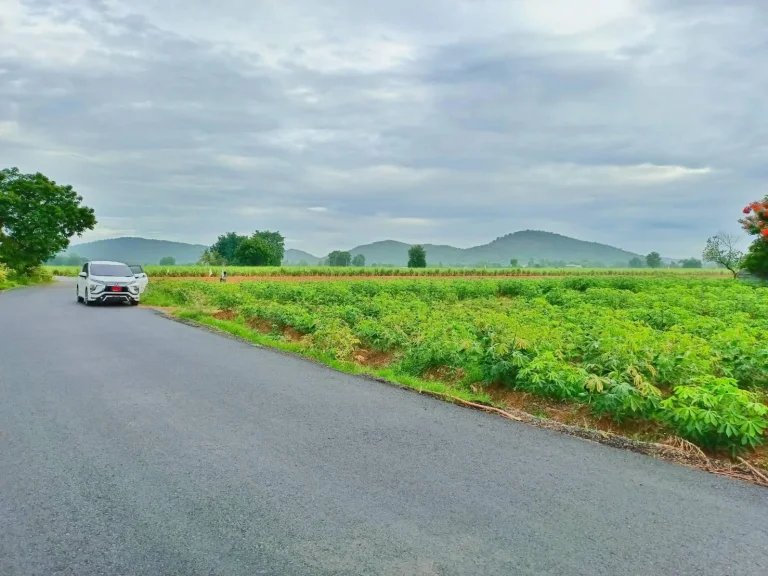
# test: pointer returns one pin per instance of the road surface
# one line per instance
(134, 445)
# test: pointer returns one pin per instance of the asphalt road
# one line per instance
(134, 445)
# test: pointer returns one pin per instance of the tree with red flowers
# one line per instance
(755, 222)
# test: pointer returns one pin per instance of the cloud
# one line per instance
(444, 121)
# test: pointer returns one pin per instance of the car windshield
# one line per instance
(136, 269)
(117, 270)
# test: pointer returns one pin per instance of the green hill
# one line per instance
(138, 250)
(293, 257)
(525, 245)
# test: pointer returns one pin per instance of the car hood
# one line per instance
(115, 280)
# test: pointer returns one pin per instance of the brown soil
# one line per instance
(227, 315)
(570, 413)
(372, 358)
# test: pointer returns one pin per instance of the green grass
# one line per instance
(10, 280)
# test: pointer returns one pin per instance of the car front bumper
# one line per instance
(116, 297)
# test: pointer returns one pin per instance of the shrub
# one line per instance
(714, 413)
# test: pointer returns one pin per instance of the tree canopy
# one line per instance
(755, 222)
(417, 257)
(262, 248)
(653, 260)
(358, 260)
(339, 258)
(37, 219)
(167, 261)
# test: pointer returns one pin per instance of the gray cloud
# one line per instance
(634, 123)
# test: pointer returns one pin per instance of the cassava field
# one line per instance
(650, 355)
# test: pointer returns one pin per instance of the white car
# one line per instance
(141, 277)
(107, 282)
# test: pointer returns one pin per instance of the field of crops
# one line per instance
(327, 271)
(689, 355)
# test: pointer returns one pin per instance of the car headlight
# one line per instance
(95, 287)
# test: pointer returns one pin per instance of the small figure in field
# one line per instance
(223, 277)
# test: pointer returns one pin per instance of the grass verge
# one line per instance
(671, 449)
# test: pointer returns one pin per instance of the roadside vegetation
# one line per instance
(200, 271)
(37, 219)
(662, 355)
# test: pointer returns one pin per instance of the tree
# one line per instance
(653, 260)
(358, 260)
(276, 242)
(756, 223)
(514, 263)
(636, 263)
(167, 261)
(227, 248)
(37, 219)
(691, 263)
(721, 250)
(339, 258)
(211, 258)
(417, 257)
(227, 245)
(254, 251)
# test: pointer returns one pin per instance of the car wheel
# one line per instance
(134, 302)
(87, 302)
(77, 291)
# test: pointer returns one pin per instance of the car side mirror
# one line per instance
(83, 275)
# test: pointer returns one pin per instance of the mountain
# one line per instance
(293, 257)
(138, 250)
(525, 245)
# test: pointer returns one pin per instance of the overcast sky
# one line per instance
(641, 124)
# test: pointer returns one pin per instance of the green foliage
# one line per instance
(253, 251)
(722, 250)
(167, 261)
(636, 263)
(691, 263)
(226, 246)
(358, 260)
(262, 248)
(37, 219)
(339, 258)
(514, 263)
(653, 260)
(714, 413)
(756, 260)
(417, 257)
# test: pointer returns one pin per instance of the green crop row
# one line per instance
(327, 271)
(689, 354)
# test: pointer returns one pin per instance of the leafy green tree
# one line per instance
(358, 260)
(653, 260)
(254, 251)
(636, 263)
(756, 260)
(514, 263)
(692, 263)
(756, 223)
(339, 258)
(227, 245)
(37, 219)
(722, 250)
(417, 257)
(167, 261)
(211, 258)
(276, 242)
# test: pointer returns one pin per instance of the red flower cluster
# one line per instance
(756, 221)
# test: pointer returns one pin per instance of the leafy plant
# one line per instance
(716, 414)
